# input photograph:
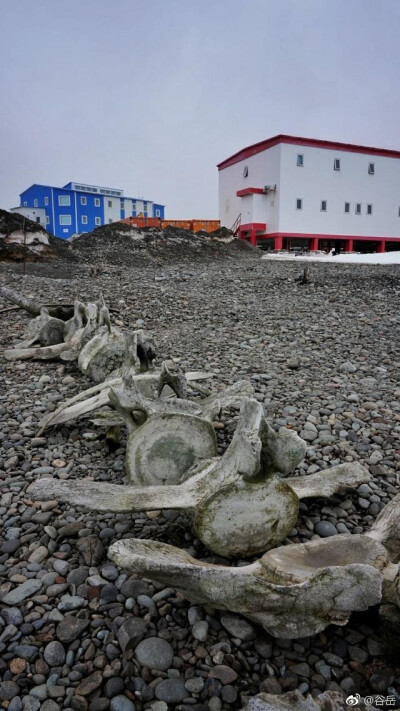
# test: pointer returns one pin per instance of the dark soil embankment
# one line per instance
(123, 245)
(21, 239)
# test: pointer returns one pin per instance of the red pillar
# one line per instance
(278, 242)
(381, 246)
(348, 245)
(313, 245)
(253, 238)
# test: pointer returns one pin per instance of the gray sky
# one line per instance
(148, 95)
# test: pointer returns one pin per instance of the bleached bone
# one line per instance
(98, 395)
(386, 528)
(328, 481)
(44, 329)
(166, 438)
(80, 329)
(295, 701)
(62, 311)
(239, 507)
(292, 591)
(295, 594)
(172, 375)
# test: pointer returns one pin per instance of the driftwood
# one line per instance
(62, 311)
(240, 505)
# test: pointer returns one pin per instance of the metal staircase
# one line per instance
(236, 225)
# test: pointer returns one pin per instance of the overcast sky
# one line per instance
(149, 95)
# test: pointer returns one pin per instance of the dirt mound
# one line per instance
(36, 244)
(121, 244)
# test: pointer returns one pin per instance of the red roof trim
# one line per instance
(299, 141)
(249, 191)
(357, 238)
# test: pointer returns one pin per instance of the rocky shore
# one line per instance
(76, 632)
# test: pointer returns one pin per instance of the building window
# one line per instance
(369, 209)
(47, 220)
(84, 219)
(46, 201)
(133, 206)
(64, 200)
(300, 159)
(65, 219)
(38, 219)
(122, 206)
(245, 171)
(97, 221)
(347, 207)
(371, 168)
(25, 204)
(336, 164)
(358, 208)
(83, 200)
(299, 204)
(323, 205)
(158, 213)
(35, 203)
(110, 221)
(110, 203)
(97, 203)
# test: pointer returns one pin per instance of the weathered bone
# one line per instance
(62, 311)
(295, 701)
(172, 375)
(292, 591)
(44, 329)
(85, 401)
(326, 590)
(240, 508)
(386, 528)
(328, 481)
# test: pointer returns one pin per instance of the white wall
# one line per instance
(112, 213)
(313, 182)
(317, 180)
(31, 213)
(263, 169)
(127, 207)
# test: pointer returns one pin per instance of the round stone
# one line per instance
(121, 703)
(200, 630)
(154, 653)
(8, 689)
(54, 654)
(114, 686)
(325, 529)
(172, 691)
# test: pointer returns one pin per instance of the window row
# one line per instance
(336, 164)
(347, 206)
(67, 220)
(65, 201)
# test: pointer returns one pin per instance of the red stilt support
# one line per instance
(313, 245)
(253, 238)
(381, 246)
(348, 245)
(278, 242)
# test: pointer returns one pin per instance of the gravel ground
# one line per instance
(77, 633)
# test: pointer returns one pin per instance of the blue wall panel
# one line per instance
(49, 198)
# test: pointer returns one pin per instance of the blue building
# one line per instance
(77, 208)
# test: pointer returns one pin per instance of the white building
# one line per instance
(317, 194)
(37, 214)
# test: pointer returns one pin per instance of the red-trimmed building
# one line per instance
(292, 191)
